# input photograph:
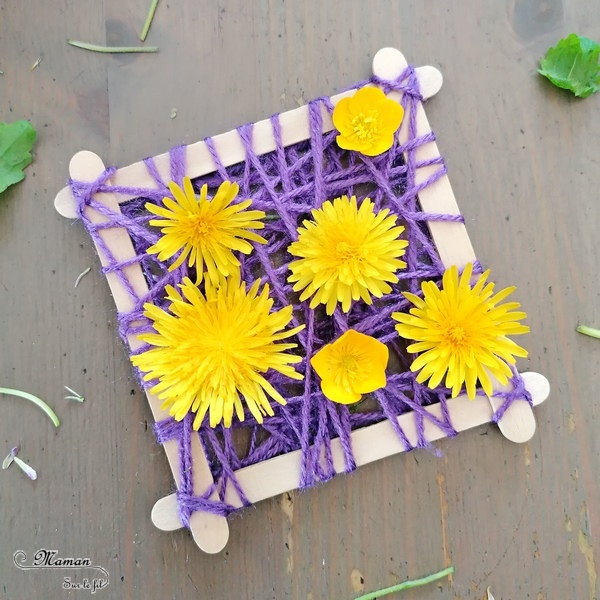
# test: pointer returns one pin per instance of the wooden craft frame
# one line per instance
(280, 474)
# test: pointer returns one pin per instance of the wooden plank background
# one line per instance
(524, 163)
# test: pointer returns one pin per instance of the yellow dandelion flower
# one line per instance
(367, 121)
(461, 332)
(206, 231)
(352, 365)
(211, 350)
(346, 253)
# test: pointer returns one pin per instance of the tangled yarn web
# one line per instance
(287, 183)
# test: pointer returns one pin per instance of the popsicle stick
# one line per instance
(87, 166)
(282, 473)
(294, 125)
(212, 531)
(451, 239)
(518, 422)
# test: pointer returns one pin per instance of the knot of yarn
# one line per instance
(518, 393)
(188, 504)
(83, 191)
(407, 83)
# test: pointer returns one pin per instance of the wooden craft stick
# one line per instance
(451, 238)
(282, 474)
(212, 531)
(294, 125)
(518, 422)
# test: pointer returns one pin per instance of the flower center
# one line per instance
(457, 334)
(365, 125)
(349, 363)
(346, 252)
(200, 228)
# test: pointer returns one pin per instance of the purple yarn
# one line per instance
(287, 183)
(519, 392)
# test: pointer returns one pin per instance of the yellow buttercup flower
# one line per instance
(346, 253)
(210, 351)
(352, 365)
(205, 230)
(367, 121)
(461, 332)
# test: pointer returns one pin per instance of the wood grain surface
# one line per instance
(524, 162)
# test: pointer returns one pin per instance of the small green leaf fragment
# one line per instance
(76, 396)
(37, 401)
(16, 141)
(595, 333)
(407, 585)
(112, 49)
(148, 22)
(573, 65)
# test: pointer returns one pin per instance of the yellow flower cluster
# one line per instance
(210, 349)
(460, 330)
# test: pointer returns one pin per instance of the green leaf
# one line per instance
(573, 65)
(16, 141)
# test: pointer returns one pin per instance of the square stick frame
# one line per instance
(370, 443)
